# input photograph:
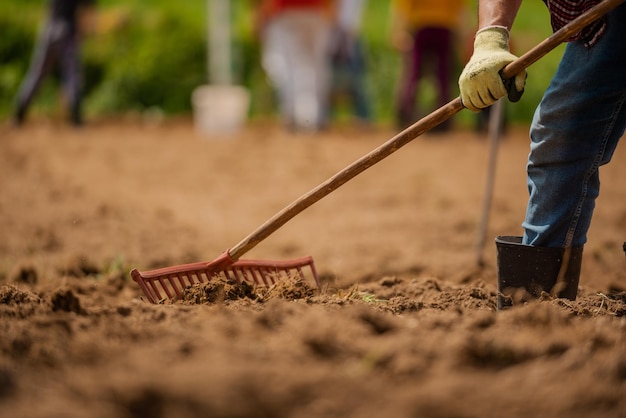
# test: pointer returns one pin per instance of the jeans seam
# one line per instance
(594, 168)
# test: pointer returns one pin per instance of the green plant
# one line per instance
(153, 53)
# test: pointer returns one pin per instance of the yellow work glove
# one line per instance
(480, 82)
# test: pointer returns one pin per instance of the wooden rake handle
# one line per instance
(418, 128)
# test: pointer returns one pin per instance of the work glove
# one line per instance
(480, 83)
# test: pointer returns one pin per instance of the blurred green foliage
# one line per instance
(147, 55)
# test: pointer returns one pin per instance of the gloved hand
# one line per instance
(480, 82)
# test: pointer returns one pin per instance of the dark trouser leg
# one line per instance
(70, 68)
(411, 74)
(40, 65)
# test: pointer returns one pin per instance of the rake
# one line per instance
(169, 282)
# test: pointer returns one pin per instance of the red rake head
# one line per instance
(169, 282)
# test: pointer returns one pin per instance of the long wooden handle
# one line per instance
(357, 167)
(418, 128)
(560, 36)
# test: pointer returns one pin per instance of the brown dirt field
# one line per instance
(405, 323)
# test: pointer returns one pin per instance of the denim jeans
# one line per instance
(575, 130)
(349, 72)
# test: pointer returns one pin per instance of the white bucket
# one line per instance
(220, 109)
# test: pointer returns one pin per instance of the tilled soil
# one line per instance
(404, 323)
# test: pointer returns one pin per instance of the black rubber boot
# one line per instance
(525, 271)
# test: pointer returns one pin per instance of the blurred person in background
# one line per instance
(58, 44)
(425, 32)
(348, 58)
(295, 37)
(574, 131)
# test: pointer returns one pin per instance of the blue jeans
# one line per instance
(575, 130)
(349, 71)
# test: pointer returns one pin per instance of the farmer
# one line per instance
(58, 44)
(425, 32)
(296, 42)
(575, 130)
(348, 58)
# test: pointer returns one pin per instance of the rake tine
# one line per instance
(147, 291)
(240, 274)
(165, 288)
(269, 276)
(170, 289)
(252, 277)
(248, 276)
(228, 274)
(186, 279)
(155, 290)
(258, 279)
(180, 282)
(173, 286)
(268, 280)
(191, 278)
(233, 274)
(311, 267)
(259, 276)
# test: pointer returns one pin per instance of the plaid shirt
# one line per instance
(564, 11)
